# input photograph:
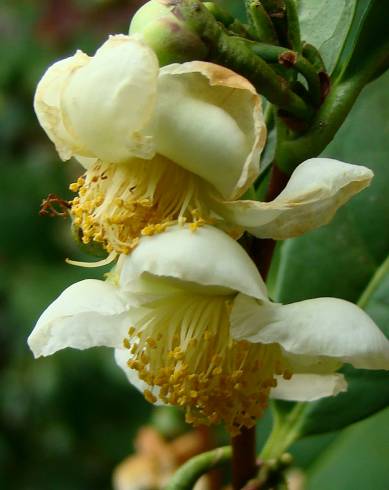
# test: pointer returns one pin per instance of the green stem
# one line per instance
(187, 475)
(224, 17)
(291, 59)
(293, 26)
(332, 113)
(314, 57)
(220, 14)
(285, 431)
(233, 53)
(374, 283)
(328, 119)
(261, 22)
(276, 9)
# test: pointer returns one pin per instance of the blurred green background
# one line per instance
(66, 421)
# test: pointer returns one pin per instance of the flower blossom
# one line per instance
(191, 323)
(178, 144)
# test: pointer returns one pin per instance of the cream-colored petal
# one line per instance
(209, 120)
(316, 189)
(47, 104)
(207, 257)
(308, 387)
(122, 356)
(98, 107)
(323, 327)
(87, 314)
(108, 102)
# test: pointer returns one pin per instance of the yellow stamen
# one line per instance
(118, 203)
(215, 380)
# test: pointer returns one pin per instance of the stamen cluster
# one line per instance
(118, 203)
(189, 359)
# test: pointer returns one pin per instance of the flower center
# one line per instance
(118, 203)
(184, 352)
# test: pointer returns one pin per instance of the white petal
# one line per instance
(327, 327)
(121, 358)
(316, 189)
(207, 256)
(209, 120)
(47, 104)
(87, 314)
(308, 387)
(98, 107)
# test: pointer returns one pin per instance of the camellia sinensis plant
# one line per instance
(168, 126)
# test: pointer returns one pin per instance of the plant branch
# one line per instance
(291, 59)
(293, 25)
(225, 18)
(187, 475)
(330, 116)
(314, 57)
(244, 464)
(233, 53)
(261, 22)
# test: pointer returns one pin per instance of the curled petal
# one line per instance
(87, 314)
(323, 327)
(206, 257)
(47, 104)
(309, 387)
(316, 189)
(209, 120)
(98, 107)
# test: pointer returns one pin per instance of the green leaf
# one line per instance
(360, 12)
(342, 258)
(367, 44)
(357, 458)
(325, 24)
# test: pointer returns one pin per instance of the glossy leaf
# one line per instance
(356, 459)
(367, 44)
(325, 24)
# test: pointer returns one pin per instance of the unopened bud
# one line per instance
(168, 36)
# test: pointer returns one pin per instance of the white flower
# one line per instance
(189, 317)
(175, 144)
(118, 105)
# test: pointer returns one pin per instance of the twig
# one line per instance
(187, 475)
(244, 464)
(261, 22)
(233, 53)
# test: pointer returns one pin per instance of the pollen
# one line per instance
(118, 203)
(187, 358)
(149, 396)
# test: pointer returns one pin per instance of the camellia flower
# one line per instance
(192, 325)
(173, 145)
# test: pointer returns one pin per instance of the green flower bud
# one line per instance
(169, 37)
